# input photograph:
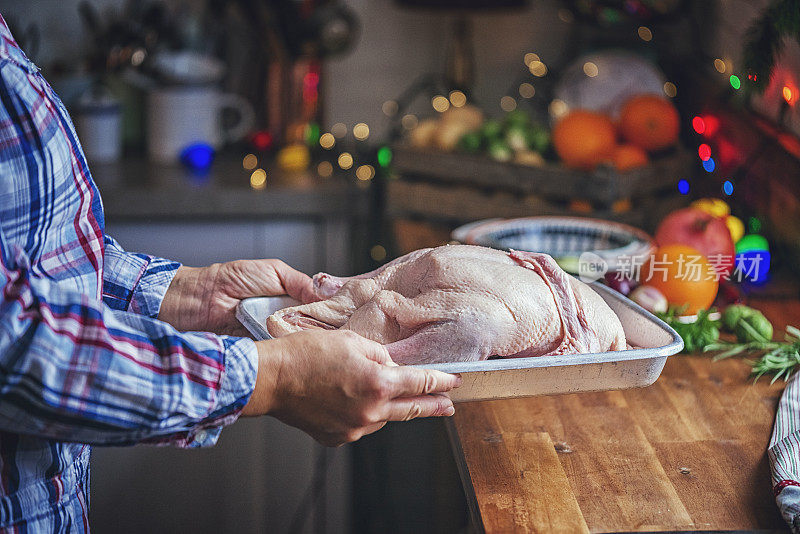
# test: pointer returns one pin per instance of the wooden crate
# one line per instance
(553, 183)
(433, 192)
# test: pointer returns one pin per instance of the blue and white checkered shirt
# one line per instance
(83, 359)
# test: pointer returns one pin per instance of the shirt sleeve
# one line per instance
(135, 282)
(73, 369)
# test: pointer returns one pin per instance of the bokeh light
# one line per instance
(719, 64)
(558, 108)
(345, 160)
(699, 125)
(537, 68)
(527, 90)
(390, 108)
(670, 89)
(327, 141)
(377, 253)
(384, 156)
(590, 69)
(727, 187)
(736, 83)
(645, 34)
(361, 131)
(365, 172)
(325, 169)
(440, 103)
(565, 15)
(339, 130)
(709, 165)
(529, 58)
(683, 187)
(458, 98)
(507, 104)
(409, 122)
(258, 180)
(250, 162)
(704, 151)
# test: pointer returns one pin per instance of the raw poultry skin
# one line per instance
(462, 303)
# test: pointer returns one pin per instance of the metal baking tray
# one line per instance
(540, 375)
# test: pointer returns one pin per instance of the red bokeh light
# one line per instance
(699, 125)
(704, 151)
(261, 140)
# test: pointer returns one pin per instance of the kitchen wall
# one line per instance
(397, 45)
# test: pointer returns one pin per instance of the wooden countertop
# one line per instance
(685, 454)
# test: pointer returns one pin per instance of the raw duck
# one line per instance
(461, 303)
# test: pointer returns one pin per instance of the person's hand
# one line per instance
(338, 386)
(205, 298)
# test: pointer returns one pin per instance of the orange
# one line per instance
(583, 139)
(649, 122)
(627, 157)
(683, 275)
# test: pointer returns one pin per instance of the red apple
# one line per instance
(700, 230)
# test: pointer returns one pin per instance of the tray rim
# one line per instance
(511, 364)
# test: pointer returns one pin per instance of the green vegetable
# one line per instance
(470, 142)
(491, 130)
(780, 358)
(517, 118)
(538, 138)
(499, 151)
(753, 327)
(732, 314)
(517, 138)
(747, 323)
(696, 335)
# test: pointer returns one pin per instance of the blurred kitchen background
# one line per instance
(336, 135)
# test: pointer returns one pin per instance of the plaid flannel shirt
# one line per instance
(83, 359)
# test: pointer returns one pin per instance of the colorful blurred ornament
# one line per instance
(752, 242)
(736, 227)
(294, 158)
(753, 258)
(754, 266)
(198, 157)
(713, 206)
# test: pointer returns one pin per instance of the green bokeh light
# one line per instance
(735, 81)
(384, 156)
(312, 133)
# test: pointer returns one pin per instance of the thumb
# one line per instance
(297, 285)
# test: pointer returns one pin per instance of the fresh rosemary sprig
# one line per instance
(780, 358)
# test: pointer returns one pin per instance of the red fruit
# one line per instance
(702, 231)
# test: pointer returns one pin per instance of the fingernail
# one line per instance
(450, 410)
(459, 380)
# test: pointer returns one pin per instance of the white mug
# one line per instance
(180, 116)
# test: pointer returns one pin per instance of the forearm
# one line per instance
(188, 301)
(72, 369)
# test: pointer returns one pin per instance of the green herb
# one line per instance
(747, 323)
(780, 358)
(696, 335)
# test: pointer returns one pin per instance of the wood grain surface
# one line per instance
(685, 454)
